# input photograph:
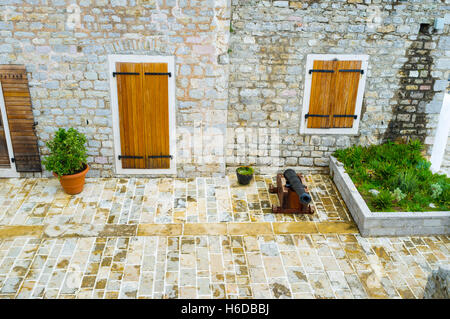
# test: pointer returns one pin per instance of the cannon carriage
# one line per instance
(292, 194)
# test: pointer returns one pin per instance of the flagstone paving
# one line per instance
(267, 266)
(197, 238)
(164, 200)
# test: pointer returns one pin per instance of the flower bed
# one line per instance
(396, 177)
(386, 223)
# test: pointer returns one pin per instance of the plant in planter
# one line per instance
(244, 174)
(67, 159)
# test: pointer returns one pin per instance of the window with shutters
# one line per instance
(334, 90)
(143, 108)
(19, 151)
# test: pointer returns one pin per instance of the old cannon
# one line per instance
(292, 194)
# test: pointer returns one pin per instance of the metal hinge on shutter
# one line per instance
(130, 157)
(354, 116)
(352, 70)
(161, 156)
(315, 115)
(125, 73)
(320, 71)
(156, 73)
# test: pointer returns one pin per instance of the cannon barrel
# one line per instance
(296, 184)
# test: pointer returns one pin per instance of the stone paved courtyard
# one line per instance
(197, 238)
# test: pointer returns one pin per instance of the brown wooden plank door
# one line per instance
(346, 90)
(21, 123)
(156, 107)
(322, 94)
(131, 115)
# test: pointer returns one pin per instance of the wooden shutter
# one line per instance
(20, 118)
(333, 94)
(321, 94)
(143, 100)
(346, 89)
(131, 115)
(156, 105)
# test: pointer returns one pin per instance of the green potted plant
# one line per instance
(67, 159)
(244, 174)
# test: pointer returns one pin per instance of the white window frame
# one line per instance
(170, 60)
(364, 58)
(11, 171)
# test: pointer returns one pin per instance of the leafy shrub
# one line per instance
(67, 152)
(398, 195)
(383, 200)
(386, 170)
(436, 190)
(415, 145)
(444, 199)
(407, 181)
(399, 168)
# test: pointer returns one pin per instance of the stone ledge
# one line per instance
(386, 223)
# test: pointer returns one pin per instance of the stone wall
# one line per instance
(64, 45)
(269, 44)
(241, 82)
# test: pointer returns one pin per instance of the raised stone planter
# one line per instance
(386, 224)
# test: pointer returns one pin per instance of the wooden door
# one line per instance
(143, 100)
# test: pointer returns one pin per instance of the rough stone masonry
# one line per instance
(270, 41)
(240, 68)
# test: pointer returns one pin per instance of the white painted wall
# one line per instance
(441, 137)
(7, 172)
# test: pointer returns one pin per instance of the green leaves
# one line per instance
(67, 152)
(245, 170)
(383, 200)
(401, 170)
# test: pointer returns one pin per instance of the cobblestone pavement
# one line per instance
(197, 238)
(141, 200)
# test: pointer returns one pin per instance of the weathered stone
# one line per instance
(438, 284)
(250, 75)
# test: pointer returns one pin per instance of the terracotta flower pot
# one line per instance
(73, 184)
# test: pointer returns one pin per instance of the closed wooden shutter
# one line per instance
(321, 94)
(334, 88)
(143, 100)
(346, 90)
(156, 105)
(20, 118)
(131, 115)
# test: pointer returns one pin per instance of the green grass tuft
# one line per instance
(401, 174)
(245, 170)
